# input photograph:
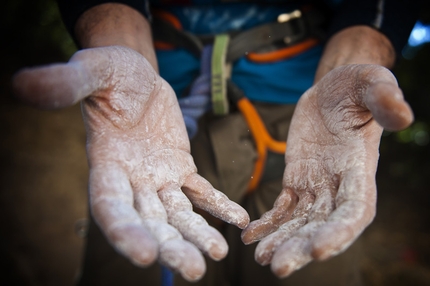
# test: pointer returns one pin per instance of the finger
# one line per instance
(369, 87)
(201, 193)
(382, 96)
(295, 252)
(267, 246)
(300, 216)
(323, 206)
(304, 206)
(192, 226)
(356, 208)
(53, 86)
(111, 201)
(175, 253)
(271, 220)
(154, 216)
(61, 85)
(390, 110)
(88, 71)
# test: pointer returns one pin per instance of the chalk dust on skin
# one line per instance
(192, 226)
(204, 196)
(266, 248)
(183, 257)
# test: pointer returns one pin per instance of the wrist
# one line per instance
(356, 45)
(114, 24)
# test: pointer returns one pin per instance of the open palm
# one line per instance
(329, 189)
(143, 180)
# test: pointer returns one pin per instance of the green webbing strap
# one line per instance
(219, 75)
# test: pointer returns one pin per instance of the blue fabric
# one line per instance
(199, 99)
(280, 82)
(167, 276)
(220, 18)
(179, 68)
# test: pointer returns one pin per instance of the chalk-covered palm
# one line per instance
(329, 189)
(142, 176)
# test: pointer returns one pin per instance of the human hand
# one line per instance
(142, 176)
(329, 189)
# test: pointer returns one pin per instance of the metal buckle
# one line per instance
(289, 16)
(300, 25)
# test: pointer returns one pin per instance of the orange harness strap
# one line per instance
(265, 57)
(283, 54)
(169, 18)
(262, 139)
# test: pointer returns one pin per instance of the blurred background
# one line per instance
(43, 166)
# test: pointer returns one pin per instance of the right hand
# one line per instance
(329, 188)
(142, 176)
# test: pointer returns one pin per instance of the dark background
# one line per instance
(43, 168)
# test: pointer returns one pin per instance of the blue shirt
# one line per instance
(283, 81)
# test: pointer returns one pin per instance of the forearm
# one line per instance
(356, 45)
(116, 24)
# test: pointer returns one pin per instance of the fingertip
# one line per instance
(330, 241)
(325, 253)
(263, 254)
(321, 254)
(402, 118)
(291, 256)
(25, 87)
(214, 245)
(244, 219)
(218, 252)
(249, 234)
(183, 257)
(204, 196)
(47, 87)
(385, 101)
(193, 276)
(233, 213)
(281, 271)
(145, 259)
(135, 243)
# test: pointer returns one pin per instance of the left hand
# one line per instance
(143, 182)
(329, 188)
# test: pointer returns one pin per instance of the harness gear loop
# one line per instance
(292, 34)
(219, 75)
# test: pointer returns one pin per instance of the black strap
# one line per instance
(251, 40)
(165, 32)
(265, 35)
(291, 32)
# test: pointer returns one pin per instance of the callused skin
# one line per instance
(329, 193)
(143, 181)
(329, 190)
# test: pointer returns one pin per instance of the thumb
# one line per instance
(50, 87)
(371, 87)
(390, 110)
(61, 85)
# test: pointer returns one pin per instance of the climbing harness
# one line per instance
(292, 34)
(267, 147)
